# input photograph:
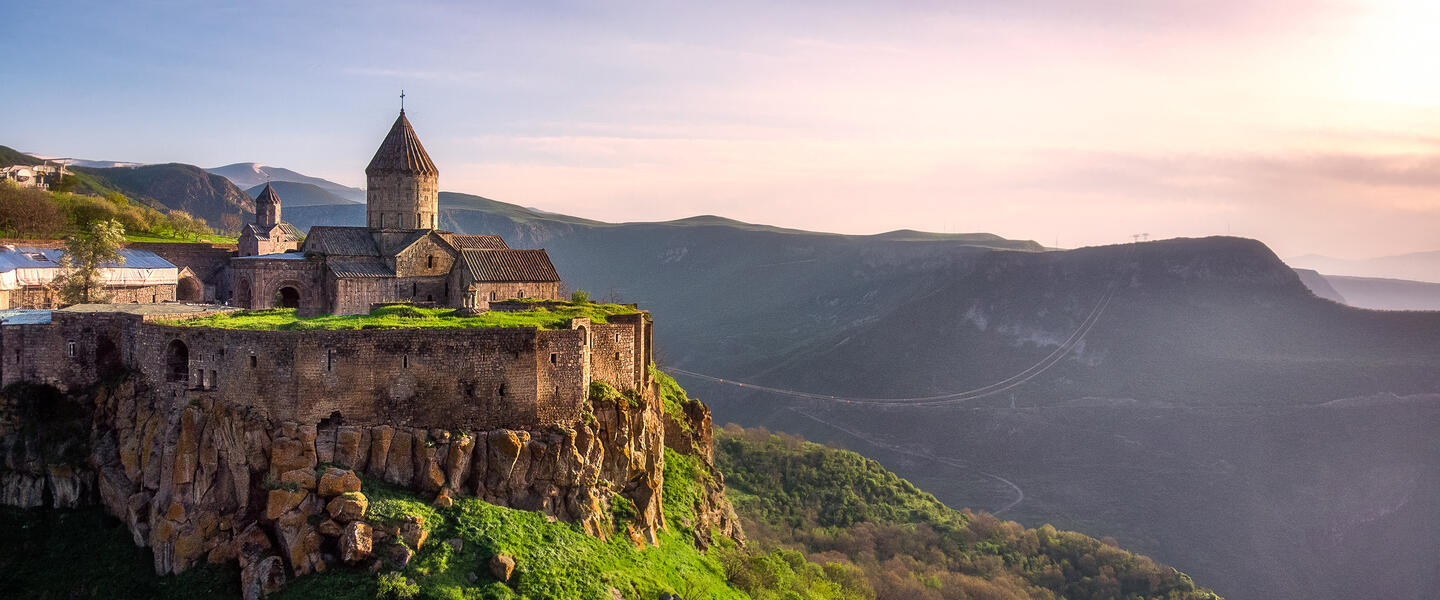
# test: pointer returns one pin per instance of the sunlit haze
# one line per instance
(1312, 126)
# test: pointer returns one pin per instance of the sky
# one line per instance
(1312, 126)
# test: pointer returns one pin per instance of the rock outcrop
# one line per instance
(209, 481)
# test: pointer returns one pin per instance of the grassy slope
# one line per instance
(405, 317)
(209, 239)
(10, 156)
(836, 503)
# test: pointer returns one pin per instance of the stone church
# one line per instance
(399, 256)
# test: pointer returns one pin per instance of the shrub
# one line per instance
(395, 585)
(580, 297)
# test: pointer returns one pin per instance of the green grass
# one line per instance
(409, 317)
(209, 239)
(673, 398)
(553, 559)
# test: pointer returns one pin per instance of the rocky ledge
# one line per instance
(214, 482)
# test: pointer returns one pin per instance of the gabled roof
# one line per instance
(349, 269)
(342, 241)
(509, 265)
(393, 242)
(475, 242)
(284, 230)
(401, 152)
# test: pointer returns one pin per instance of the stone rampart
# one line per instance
(482, 378)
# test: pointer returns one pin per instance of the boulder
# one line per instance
(304, 478)
(456, 544)
(443, 499)
(280, 501)
(338, 481)
(288, 455)
(355, 543)
(502, 567)
(413, 532)
(348, 507)
(299, 542)
(399, 554)
(331, 528)
(262, 578)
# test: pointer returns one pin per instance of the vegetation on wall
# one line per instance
(550, 315)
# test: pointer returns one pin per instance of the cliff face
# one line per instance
(217, 482)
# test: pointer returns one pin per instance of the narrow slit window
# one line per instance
(617, 357)
(414, 288)
(212, 378)
(502, 390)
(329, 359)
(430, 262)
(554, 358)
(70, 349)
(405, 361)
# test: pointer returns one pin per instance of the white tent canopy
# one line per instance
(24, 266)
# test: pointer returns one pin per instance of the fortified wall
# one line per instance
(479, 378)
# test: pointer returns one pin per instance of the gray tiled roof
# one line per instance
(341, 241)
(346, 269)
(401, 152)
(509, 265)
(476, 242)
(283, 229)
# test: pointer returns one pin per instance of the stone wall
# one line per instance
(44, 297)
(481, 294)
(209, 262)
(484, 378)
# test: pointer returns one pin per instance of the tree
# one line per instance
(95, 247)
(230, 224)
(28, 212)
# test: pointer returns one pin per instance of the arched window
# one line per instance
(177, 361)
(430, 262)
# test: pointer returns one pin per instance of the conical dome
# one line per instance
(267, 196)
(401, 152)
(267, 207)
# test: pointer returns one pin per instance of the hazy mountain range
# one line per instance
(1417, 266)
(248, 175)
(302, 194)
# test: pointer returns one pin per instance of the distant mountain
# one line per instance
(93, 164)
(1387, 294)
(302, 194)
(1319, 285)
(1417, 266)
(249, 175)
(175, 186)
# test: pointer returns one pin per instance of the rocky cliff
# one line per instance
(209, 481)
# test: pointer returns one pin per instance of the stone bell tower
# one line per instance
(402, 185)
